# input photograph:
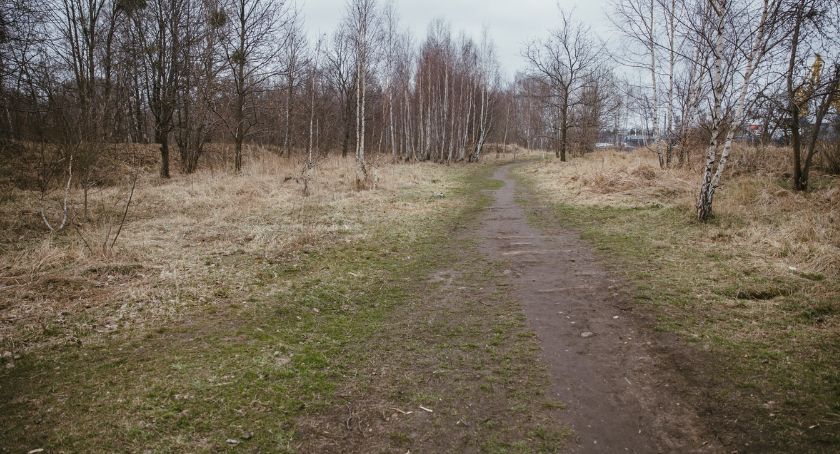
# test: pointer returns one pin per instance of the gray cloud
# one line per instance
(511, 24)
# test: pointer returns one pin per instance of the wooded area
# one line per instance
(84, 75)
(80, 77)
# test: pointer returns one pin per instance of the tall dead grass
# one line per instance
(194, 241)
(770, 221)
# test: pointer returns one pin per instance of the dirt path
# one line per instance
(618, 397)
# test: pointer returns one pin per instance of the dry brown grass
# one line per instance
(189, 243)
(774, 223)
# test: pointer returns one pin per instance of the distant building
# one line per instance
(637, 140)
(622, 139)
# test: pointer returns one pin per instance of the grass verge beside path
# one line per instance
(255, 374)
(763, 343)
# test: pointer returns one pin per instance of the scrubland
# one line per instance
(61, 288)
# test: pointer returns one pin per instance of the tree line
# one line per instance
(691, 74)
(79, 76)
(82, 75)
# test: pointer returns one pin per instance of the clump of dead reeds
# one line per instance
(614, 178)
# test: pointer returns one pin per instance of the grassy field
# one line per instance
(175, 254)
(234, 312)
(755, 293)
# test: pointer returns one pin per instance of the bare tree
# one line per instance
(488, 76)
(638, 19)
(362, 20)
(157, 34)
(23, 38)
(392, 40)
(293, 53)
(671, 10)
(313, 81)
(566, 60)
(810, 93)
(256, 35)
(690, 92)
(198, 79)
(84, 35)
(341, 75)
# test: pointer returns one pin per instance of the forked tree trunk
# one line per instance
(711, 175)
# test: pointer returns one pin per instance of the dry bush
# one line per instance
(829, 158)
(190, 242)
(614, 178)
(789, 228)
(20, 163)
(764, 159)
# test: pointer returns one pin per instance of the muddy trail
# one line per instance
(619, 395)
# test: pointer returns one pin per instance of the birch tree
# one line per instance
(638, 22)
(488, 77)
(252, 44)
(310, 147)
(671, 9)
(740, 37)
(362, 22)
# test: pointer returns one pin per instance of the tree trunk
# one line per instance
(793, 103)
(348, 123)
(163, 139)
(361, 168)
(287, 131)
(796, 146)
(711, 183)
(564, 126)
(655, 87)
(672, 62)
(391, 126)
(707, 189)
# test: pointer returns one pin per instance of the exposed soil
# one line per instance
(455, 370)
(620, 393)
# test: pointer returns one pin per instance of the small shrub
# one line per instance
(831, 157)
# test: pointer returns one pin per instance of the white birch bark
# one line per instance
(657, 134)
(712, 174)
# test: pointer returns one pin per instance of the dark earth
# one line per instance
(618, 396)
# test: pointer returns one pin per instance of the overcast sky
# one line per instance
(511, 23)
